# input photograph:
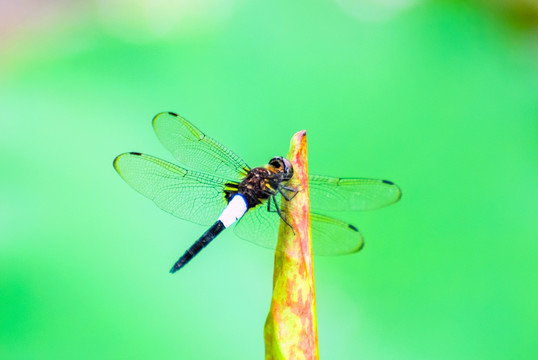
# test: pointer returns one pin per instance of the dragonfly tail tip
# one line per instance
(175, 268)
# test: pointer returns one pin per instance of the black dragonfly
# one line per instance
(215, 183)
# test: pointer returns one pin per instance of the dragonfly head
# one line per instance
(283, 166)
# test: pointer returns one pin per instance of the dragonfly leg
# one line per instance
(269, 205)
(278, 211)
(295, 191)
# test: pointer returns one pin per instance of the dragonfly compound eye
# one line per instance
(283, 166)
(288, 169)
(277, 162)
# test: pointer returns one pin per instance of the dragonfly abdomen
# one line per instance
(236, 208)
(198, 245)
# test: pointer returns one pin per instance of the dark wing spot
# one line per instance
(135, 153)
(353, 228)
(173, 113)
(388, 182)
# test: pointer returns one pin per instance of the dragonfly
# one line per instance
(214, 187)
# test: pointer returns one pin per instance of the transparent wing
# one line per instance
(334, 237)
(329, 236)
(195, 150)
(259, 226)
(187, 194)
(350, 194)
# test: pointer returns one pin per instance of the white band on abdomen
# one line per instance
(236, 208)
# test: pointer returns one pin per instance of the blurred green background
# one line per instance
(440, 97)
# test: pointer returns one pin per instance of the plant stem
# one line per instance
(291, 328)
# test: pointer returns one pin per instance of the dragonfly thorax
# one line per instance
(264, 182)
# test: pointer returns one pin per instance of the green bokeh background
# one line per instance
(440, 98)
